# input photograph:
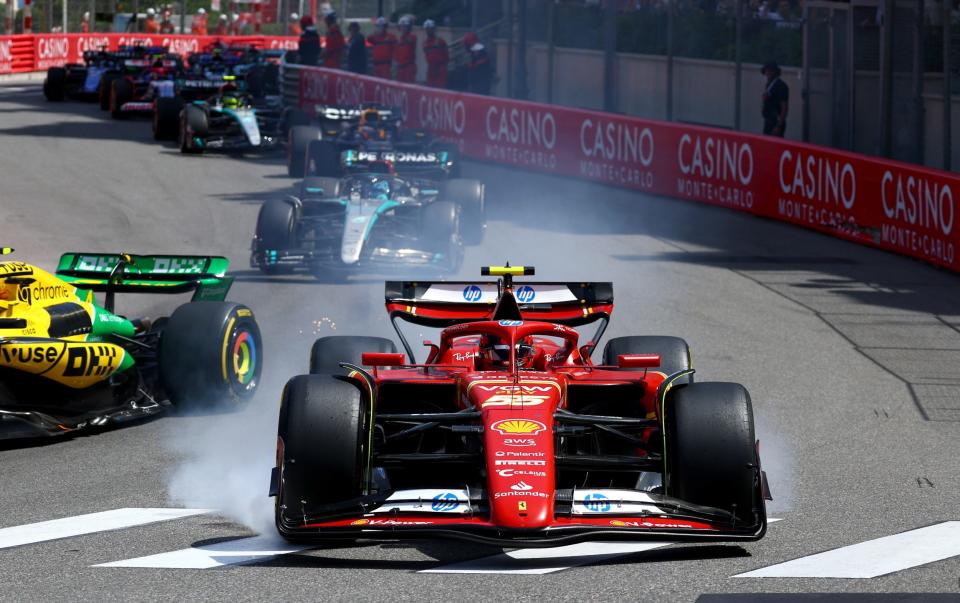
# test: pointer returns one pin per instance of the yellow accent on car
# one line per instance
(226, 340)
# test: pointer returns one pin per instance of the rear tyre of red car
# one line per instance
(322, 439)
(298, 140)
(55, 86)
(469, 194)
(276, 224)
(323, 159)
(674, 352)
(166, 118)
(710, 455)
(121, 92)
(328, 352)
(211, 355)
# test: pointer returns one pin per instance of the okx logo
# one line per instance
(446, 501)
(472, 293)
(525, 294)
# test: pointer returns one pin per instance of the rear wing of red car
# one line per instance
(443, 304)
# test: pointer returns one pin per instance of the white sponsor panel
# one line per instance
(614, 502)
(485, 293)
(426, 501)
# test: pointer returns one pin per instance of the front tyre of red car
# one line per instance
(322, 442)
(710, 454)
(211, 355)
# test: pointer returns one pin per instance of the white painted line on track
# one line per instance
(88, 524)
(232, 552)
(874, 557)
(549, 560)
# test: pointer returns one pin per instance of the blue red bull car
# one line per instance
(507, 432)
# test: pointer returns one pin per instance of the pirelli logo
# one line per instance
(90, 360)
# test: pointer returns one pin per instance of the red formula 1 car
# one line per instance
(508, 433)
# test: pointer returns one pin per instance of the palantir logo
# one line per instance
(597, 503)
(446, 501)
(472, 293)
(525, 294)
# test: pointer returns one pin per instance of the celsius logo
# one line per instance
(525, 294)
(471, 293)
(446, 501)
(598, 503)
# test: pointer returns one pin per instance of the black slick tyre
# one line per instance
(440, 230)
(193, 123)
(103, 90)
(319, 187)
(121, 92)
(710, 455)
(328, 352)
(166, 118)
(276, 224)
(298, 140)
(55, 86)
(323, 159)
(674, 352)
(210, 355)
(322, 440)
(469, 194)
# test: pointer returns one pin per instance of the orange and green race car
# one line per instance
(68, 362)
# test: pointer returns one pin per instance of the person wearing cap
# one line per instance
(293, 27)
(150, 25)
(437, 54)
(382, 46)
(199, 25)
(309, 46)
(479, 69)
(776, 101)
(406, 53)
(222, 28)
(85, 23)
(335, 44)
(356, 50)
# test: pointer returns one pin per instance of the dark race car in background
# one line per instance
(508, 433)
(348, 138)
(370, 220)
(230, 121)
(92, 79)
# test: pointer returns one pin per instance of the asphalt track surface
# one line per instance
(850, 354)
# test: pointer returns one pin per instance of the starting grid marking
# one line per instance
(869, 559)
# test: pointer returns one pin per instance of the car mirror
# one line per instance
(638, 360)
(383, 359)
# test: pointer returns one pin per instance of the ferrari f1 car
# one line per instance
(67, 362)
(367, 220)
(349, 138)
(508, 433)
(230, 121)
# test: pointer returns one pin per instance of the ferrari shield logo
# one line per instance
(522, 505)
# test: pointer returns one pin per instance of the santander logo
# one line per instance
(521, 486)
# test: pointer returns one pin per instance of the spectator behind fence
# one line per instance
(222, 27)
(776, 101)
(293, 27)
(356, 50)
(166, 25)
(85, 23)
(309, 46)
(437, 54)
(150, 25)
(479, 69)
(199, 25)
(382, 46)
(406, 52)
(333, 49)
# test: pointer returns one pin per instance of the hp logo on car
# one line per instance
(446, 501)
(525, 294)
(597, 503)
(472, 293)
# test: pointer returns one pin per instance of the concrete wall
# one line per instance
(704, 93)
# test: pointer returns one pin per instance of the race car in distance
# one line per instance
(507, 433)
(231, 121)
(138, 93)
(68, 362)
(91, 79)
(347, 138)
(369, 219)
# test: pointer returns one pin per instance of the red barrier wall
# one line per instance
(38, 52)
(897, 206)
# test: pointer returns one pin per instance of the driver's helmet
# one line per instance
(495, 354)
(230, 96)
(370, 117)
(381, 189)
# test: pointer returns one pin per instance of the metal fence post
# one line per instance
(521, 89)
(609, 55)
(886, 80)
(670, 60)
(738, 57)
(551, 48)
(947, 92)
(511, 7)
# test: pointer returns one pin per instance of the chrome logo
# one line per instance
(244, 358)
(518, 426)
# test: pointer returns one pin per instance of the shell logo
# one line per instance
(618, 523)
(518, 426)
(360, 522)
